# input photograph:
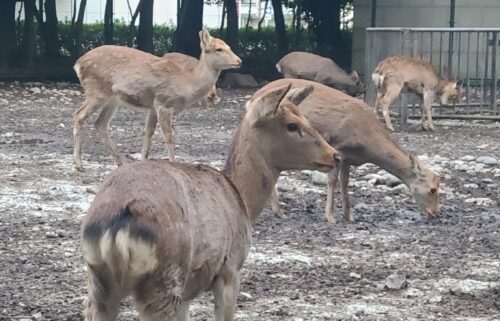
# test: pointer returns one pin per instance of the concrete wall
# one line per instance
(421, 13)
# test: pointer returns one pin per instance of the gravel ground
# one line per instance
(298, 269)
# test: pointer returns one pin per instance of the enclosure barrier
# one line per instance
(466, 54)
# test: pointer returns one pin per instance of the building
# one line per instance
(421, 13)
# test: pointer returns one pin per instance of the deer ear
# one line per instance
(416, 165)
(204, 38)
(354, 76)
(297, 95)
(267, 106)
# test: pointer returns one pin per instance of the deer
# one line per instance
(114, 75)
(306, 65)
(190, 63)
(351, 127)
(400, 73)
(181, 229)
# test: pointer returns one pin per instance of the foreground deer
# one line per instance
(190, 63)
(306, 65)
(419, 77)
(350, 126)
(165, 232)
(112, 76)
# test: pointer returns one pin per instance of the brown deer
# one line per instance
(190, 63)
(112, 76)
(164, 232)
(394, 74)
(306, 65)
(350, 126)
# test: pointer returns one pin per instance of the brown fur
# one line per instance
(394, 74)
(112, 76)
(306, 65)
(350, 126)
(165, 232)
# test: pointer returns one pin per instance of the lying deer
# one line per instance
(190, 63)
(419, 77)
(180, 229)
(305, 65)
(350, 126)
(112, 76)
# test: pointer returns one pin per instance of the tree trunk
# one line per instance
(29, 33)
(7, 31)
(328, 26)
(131, 29)
(52, 45)
(259, 25)
(224, 11)
(77, 49)
(145, 34)
(249, 18)
(280, 28)
(232, 25)
(108, 23)
(187, 39)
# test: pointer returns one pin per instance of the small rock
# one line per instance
(471, 186)
(401, 189)
(51, 235)
(89, 190)
(391, 180)
(481, 201)
(4, 101)
(436, 299)
(487, 160)
(467, 158)
(354, 275)
(25, 320)
(396, 281)
(413, 293)
(319, 178)
(36, 90)
(61, 125)
(61, 233)
(246, 295)
(378, 179)
(37, 316)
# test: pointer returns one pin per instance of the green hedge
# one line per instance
(258, 50)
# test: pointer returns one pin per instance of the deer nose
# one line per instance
(336, 156)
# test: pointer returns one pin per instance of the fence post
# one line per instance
(494, 105)
(407, 51)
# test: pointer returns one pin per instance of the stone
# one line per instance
(378, 179)
(391, 180)
(319, 178)
(51, 235)
(4, 101)
(396, 281)
(487, 160)
(471, 186)
(246, 295)
(37, 316)
(36, 90)
(354, 275)
(481, 201)
(467, 158)
(236, 80)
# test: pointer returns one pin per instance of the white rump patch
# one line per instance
(378, 79)
(278, 67)
(76, 67)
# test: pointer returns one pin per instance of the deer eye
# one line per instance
(433, 190)
(219, 50)
(292, 127)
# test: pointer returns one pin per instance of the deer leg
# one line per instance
(103, 300)
(344, 188)
(377, 102)
(88, 107)
(275, 203)
(332, 183)
(165, 120)
(183, 314)
(102, 126)
(428, 99)
(391, 93)
(151, 122)
(226, 289)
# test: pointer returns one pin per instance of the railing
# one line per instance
(467, 54)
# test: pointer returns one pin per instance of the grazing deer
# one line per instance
(165, 232)
(349, 125)
(190, 63)
(305, 65)
(419, 77)
(112, 76)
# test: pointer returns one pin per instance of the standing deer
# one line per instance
(190, 63)
(419, 77)
(306, 65)
(112, 76)
(165, 232)
(350, 126)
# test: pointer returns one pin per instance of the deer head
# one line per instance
(424, 185)
(217, 53)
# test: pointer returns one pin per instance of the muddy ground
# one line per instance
(298, 269)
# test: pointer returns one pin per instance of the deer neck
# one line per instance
(205, 75)
(393, 160)
(249, 171)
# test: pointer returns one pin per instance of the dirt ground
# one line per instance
(298, 269)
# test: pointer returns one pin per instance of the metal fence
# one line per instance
(467, 54)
